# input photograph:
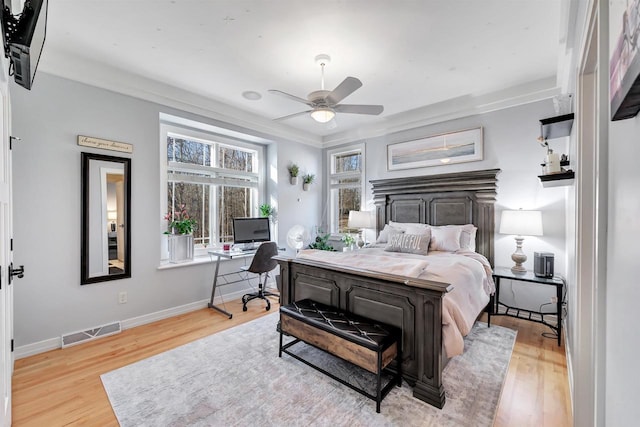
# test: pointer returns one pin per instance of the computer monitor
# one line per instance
(251, 230)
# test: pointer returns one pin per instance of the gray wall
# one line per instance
(50, 301)
(510, 144)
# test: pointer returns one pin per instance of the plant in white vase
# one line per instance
(294, 170)
(180, 235)
(307, 180)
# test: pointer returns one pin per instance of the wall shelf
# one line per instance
(557, 179)
(556, 127)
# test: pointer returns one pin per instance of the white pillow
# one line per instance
(384, 234)
(409, 243)
(404, 225)
(468, 237)
(412, 228)
(445, 238)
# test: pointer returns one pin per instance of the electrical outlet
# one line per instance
(554, 300)
(122, 297)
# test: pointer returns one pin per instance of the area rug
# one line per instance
(235, 378)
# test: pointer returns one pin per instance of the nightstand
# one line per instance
(500, 309)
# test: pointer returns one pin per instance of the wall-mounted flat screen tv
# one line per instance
(24, 36)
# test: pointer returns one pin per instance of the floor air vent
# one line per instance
(90, 334)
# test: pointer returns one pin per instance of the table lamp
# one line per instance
(520, 223)
(361, 220)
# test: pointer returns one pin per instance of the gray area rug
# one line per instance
(235, 378)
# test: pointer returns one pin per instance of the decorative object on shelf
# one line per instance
(180, 235)
(520, 223)
(349, 242)
(437, 150)
(307, 180)
(361, 220)
(294, 170)
(624, 80)
(553, 173)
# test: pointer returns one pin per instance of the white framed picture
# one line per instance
(436, 150)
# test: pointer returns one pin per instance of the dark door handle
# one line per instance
(19, 272)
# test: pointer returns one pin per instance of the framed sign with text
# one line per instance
(104, 144)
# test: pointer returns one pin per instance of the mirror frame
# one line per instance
(84, 257)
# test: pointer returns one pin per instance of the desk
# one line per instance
(219, 254)
(534, 316)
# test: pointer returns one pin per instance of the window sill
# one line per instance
(202, 259)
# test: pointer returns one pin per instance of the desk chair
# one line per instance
(261, 265)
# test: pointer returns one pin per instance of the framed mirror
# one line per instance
(106, 218)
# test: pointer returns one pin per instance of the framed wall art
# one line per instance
(436, 150)
(624, 66)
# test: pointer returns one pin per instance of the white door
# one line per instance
(6, 291)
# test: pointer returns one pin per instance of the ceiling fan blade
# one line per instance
(344, 89)
(359, 109)
(292, 115)
(293, 97)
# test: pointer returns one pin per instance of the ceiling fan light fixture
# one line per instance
(323, 115)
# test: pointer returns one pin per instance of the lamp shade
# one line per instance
(521, 223)
(112, 215)
(361, 219)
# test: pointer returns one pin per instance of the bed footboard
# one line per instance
(413, 305)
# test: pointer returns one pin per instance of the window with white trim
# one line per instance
(213, 177)
(346, 185)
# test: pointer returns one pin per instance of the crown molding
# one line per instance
(119, 81)
(451, 109)
(116, 80)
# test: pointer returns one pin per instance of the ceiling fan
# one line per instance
(325, 104)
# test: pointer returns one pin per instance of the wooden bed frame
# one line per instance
(414, 305)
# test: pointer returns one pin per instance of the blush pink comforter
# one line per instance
(468, 272)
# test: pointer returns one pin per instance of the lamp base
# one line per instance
(518, 269)
(518, 257)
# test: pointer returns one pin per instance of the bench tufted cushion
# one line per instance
(365, 332)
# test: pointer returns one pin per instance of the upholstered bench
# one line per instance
(361, 341)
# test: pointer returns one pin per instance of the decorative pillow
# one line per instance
(384, 234)
(468, 237)
(446, 238)
(409, 243)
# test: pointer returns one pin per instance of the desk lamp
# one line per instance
(520, 223)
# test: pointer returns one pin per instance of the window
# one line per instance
(346, 185)
(213, 177)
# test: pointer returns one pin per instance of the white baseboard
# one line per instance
(56, 343)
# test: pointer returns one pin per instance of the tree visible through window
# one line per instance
(214, 181)
(346, 177)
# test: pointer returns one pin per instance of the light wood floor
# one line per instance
(63, 387)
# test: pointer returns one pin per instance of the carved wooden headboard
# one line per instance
(454, 198)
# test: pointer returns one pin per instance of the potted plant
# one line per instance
(294, 170)
(266, 210)
(180, 234)
(307, 180)
(349, 242)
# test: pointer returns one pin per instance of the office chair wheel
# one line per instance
(268, 307)
(244, 308)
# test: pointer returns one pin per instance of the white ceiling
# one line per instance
(419, 59)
